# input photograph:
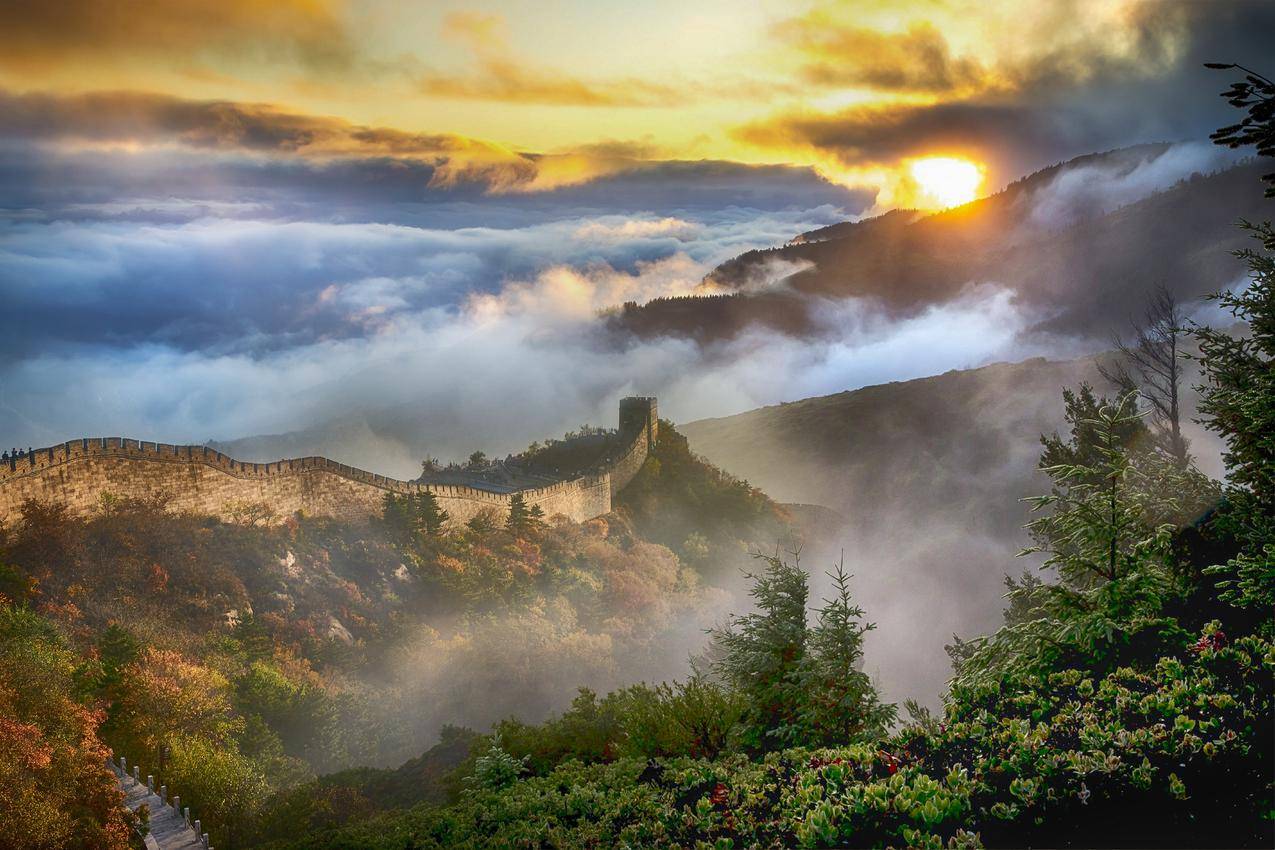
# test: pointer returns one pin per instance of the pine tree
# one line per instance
(1102, 529)
(521, 518)
(1083, 445)
(1237, 398)
(484, 522)
(116, 648)
(254, 639)
(760, 655)
(396, 513)
(840, 703)
(428, 516)
(1094, 529)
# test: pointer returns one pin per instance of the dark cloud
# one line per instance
(40, 35)
(39, 183)
(308, 153)
(132, 116)
(1070, 98)
(1011, 136)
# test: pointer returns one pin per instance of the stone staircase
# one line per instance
(170, 825)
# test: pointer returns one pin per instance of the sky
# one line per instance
(225, 219)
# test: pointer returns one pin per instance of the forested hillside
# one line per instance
(259, 656)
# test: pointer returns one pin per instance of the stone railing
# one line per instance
(171, 826)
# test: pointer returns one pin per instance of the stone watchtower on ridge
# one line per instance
(638, 412)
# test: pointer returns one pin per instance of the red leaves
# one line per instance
(1210, 641)
(720, 795)
(890, 761)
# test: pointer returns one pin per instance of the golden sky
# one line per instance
(857, 89)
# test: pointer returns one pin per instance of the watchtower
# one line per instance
(638, 412)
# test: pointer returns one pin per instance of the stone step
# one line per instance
(168, 828)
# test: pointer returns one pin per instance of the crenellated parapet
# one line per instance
(200, 479)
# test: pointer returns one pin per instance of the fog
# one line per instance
(276, 332)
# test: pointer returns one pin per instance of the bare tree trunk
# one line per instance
(1152, 364)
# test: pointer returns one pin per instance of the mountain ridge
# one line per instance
(1058, 248)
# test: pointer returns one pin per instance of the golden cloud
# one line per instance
(1018, 47)
(918, 59)
(498, 75)
(1007, 108)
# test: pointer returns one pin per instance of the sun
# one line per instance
(946, 181)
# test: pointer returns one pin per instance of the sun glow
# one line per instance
(944, 181)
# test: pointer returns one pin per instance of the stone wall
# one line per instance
(201, 480)
(639, 419)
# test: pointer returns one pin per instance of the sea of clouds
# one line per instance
(375, 328)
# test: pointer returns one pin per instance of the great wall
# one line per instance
(198, 479)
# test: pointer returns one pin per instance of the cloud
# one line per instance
(250, 284)
(667, 226)
(40, 36)
(1090, 190)
(132, 117)
(442, 381)
(500, 76)
(916, 60)
(266, 326)
(879, 134)
(1043, 84)
(137, 133)
(1008, 47)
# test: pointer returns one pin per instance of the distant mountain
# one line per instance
(927, 477)
(1067, 240)
(960, 446)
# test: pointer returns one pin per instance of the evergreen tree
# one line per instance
(1094, 531)
(253, 637)
(840, 704)
(429, 518)
(760, 655)
(396, 512)
(1103, 531)
(520, 520)
(1083, 444)
(1255, 94)
(484, 522)
(1237, 398)
(116, 649)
